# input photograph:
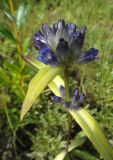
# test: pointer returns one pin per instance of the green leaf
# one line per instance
(9, 16)
(21, 14)
(84, 155)
(7, 33)
(33, 62)
(78, 141)
(55, 85)
(57, 81)
(93, 132)
(37, 85)
(4, 78)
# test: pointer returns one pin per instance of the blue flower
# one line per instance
(89, 55)
(76, 99)
(57, 99)
(62, 44)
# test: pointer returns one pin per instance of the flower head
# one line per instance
(62, 44)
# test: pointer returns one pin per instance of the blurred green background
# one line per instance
(42, 133)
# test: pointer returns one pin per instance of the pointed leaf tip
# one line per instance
(36, 86)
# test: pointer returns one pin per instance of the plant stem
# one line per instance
(18, 37)
(18, 44)
(11, 128)
(8, 118)
(67, 98)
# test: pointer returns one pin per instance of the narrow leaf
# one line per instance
(21, 14)
(9, 16)
(53, 85)
(93, 132)
(7, 33)
(84, 155)
(33, 62)
(37, 85)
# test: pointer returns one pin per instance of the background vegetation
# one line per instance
(42, 133)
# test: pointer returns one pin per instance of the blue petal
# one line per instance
(89, 55)
(61, 31)
(62, 91)
(58, 26)
(77, 43)
(55, 27)
(76, 92)
(39, 45)
(57, 99)
(67, 105)
(61, 24)
(39, 40)
(71, 28)
(83, 30)
(62, 50)
(82, 97)
(75, 97)
(78, 39)
(47, 57)
(49, 35)
(46, 30)
(76, 107)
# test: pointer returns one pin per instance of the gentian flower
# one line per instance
(62, 44)
(75, 100)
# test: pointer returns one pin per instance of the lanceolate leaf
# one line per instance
(21, 14)
(9, 16)
(7, 33)
(37, 85)
(53, 85)
(93, 132)
(33, 62)
(84, 155)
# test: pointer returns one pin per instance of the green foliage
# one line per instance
(48, 141)
(76, 142)
(37, 85)
(7, 33)
(21, 14)
(96, 79)
(94, 133)
(53, 85)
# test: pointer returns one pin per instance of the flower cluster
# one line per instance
(75, 100)
(62, 44)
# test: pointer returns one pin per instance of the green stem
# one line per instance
(67, 98)
(8, 118)
(18, 44)
(11, 128)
